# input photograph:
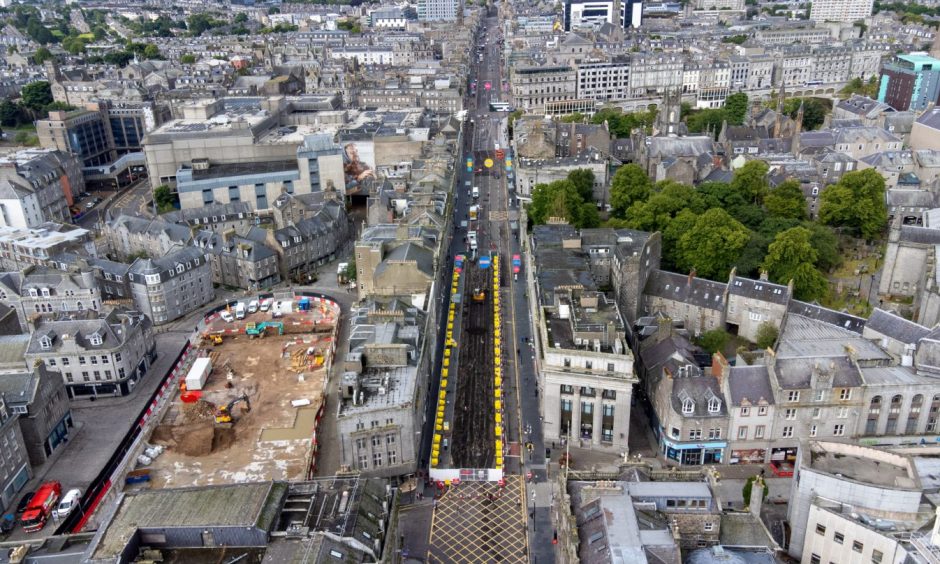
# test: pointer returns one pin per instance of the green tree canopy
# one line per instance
(713, 341)
(622, 124)
(751, 181)
(791, 257)
(188, 59)
(630, 184)
(668, 199)
(583, 180)
(826, 244)
(42, 55)
(856, 202)
(151, 51)
(766, 335)
(736, 108)
(241, 18)
(561, 199)
(10, 114)
(786, 201)
(36, 95)
(712, 245)
(814, 111)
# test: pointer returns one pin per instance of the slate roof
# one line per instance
(864, 106)
(685, 289)
(679, 146)
(895, 327)
(920, 235)
(796, 373)
(423, 257)
(700, 389)
(759, 290)
(930, 119)
(153, 227)
(913, 199)
(751, 383)
(804, 337)
(205, 213)
(110, 329)
(840, 319)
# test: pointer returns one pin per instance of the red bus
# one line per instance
(40, 507)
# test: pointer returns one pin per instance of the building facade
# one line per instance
(14, 464)
(37, 186)
(45, 416)
(910, 82)
(171, 286)
(841, 10)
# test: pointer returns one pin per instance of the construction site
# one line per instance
(249, 403)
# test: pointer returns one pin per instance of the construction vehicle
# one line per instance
(213, 338)
(223, 414)
(258, 329)
(478, 295)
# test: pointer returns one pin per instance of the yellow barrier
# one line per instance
(499, 431)
(444, 383)
(498, 405)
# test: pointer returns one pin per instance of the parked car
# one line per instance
(68, 503)
(227, 316)
(21, 506)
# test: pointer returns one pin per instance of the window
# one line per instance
(392, 458)
(390, 439)
(814, 559)
(820, 395)
(817, 412)
(820, 529)
(688, 407)
(376, 441)
(812, 431)
(81, 361)
(762, 410)
(377, 459)
(45, 342)
(745, 411)
(714, 405)
(117, 357)
(793, 396)
(566, 405)
(839, 538)
(842, 413)
(567, 363)
(709, 526)
(858, 547)
(585, 391)
(877, 556)
(845, 394)
(363, 461)
(754, 315)
(695, 434)
(51, 362)
(787, 432)
(759, 432)
(565, 389)
(790, 414)
(742, 432)
(714, 433)
(838, 430)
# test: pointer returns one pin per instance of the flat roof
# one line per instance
(862, 464)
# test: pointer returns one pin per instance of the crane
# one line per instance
(223, 415)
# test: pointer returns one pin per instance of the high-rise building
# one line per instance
(594, 13)
(437, 10)
(840, 10)
(631, 13)
(910, 82)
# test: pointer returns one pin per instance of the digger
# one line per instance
(213, 338)
(223, 414)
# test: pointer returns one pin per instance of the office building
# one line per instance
(631, 13)
(84, 133)
(438, 10)
(840, 10)
(910, 82)
(589, 13)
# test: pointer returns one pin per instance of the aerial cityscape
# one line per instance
(470, 281)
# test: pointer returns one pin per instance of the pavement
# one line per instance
(100, 426)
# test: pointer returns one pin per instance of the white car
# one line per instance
(68, 503)
(227, 316)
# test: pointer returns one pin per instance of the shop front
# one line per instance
(782, 461)
(694, 454)
(748, 456)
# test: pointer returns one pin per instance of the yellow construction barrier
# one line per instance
(434, 462)
(498, 405)
(446, 353)
(499, 381)
(437, 438)
(438, 426)
(444, 372)
(499, 431)
(443, 395)
(499, 445)
(446, 362)
(498, 393)
(444, 383)
(499, 418)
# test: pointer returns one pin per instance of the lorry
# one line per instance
(239, 310)
(41, 506)
(472, 240)
(199, 373)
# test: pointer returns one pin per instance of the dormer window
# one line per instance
(688, 407)
(45, 342)
(32, 292)
(714, 405)
(95, 339)
(180, 268)
(45, 292)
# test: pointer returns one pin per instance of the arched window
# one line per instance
(913, 415)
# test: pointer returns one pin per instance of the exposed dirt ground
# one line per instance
(273, 439)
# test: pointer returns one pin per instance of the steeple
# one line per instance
(799, 119)
(669, 115)
(778, 122)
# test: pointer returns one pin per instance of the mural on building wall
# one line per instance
(359, 173)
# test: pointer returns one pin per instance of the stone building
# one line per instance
(40, 291)
(394, 260)
(533, 88)
(104, 356)
(751, 303)
(129, 235)
(37, 186)
(173, 285)
(14, 464)
(698, 303)
(40, 399)
(240, 261)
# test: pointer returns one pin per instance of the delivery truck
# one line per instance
(199, 373)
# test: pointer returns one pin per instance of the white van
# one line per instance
(476, 192)
(472, 240)
(239, 311)
(265, 304)
(227, 316)
(253, 306)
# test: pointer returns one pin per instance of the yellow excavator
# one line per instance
(223, 414)
(213, 338)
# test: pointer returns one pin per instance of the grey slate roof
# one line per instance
(751, 383)
(423, 257)
(759, 290)
(685, 289)
(796, 373)
(920, 235)
(930, 119)
(700, 389)
(840, 319)
(895, 327)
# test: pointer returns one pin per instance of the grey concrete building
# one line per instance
(40, 399)
(382, 390)
(108, 355)
(14, 464)
(532, 172)
(41, 291)
(240, 261)
(130, 235)
(173, 285)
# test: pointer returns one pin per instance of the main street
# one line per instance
(486, 131)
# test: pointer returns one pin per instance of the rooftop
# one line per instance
(862, 464)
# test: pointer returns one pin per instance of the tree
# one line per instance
(766, 335)
(712, 245)
(748, 486)
(164, 198)
(700, 121)
(557, 199)
(240, 18)
(856, 202)
(736, 39)
(736, 108)
(814, 111)
(786, 201)
(792, 257)
(188, 59)
(751, 181)
(668, 199)
(38, 32)
(714, 341)
(9, 114)
(630, 184)
(826, 244)
(583, 180)
(36, 95)
(859, 86)
(752, 256)
(42, 55)
(151, 51)
(119, 58)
